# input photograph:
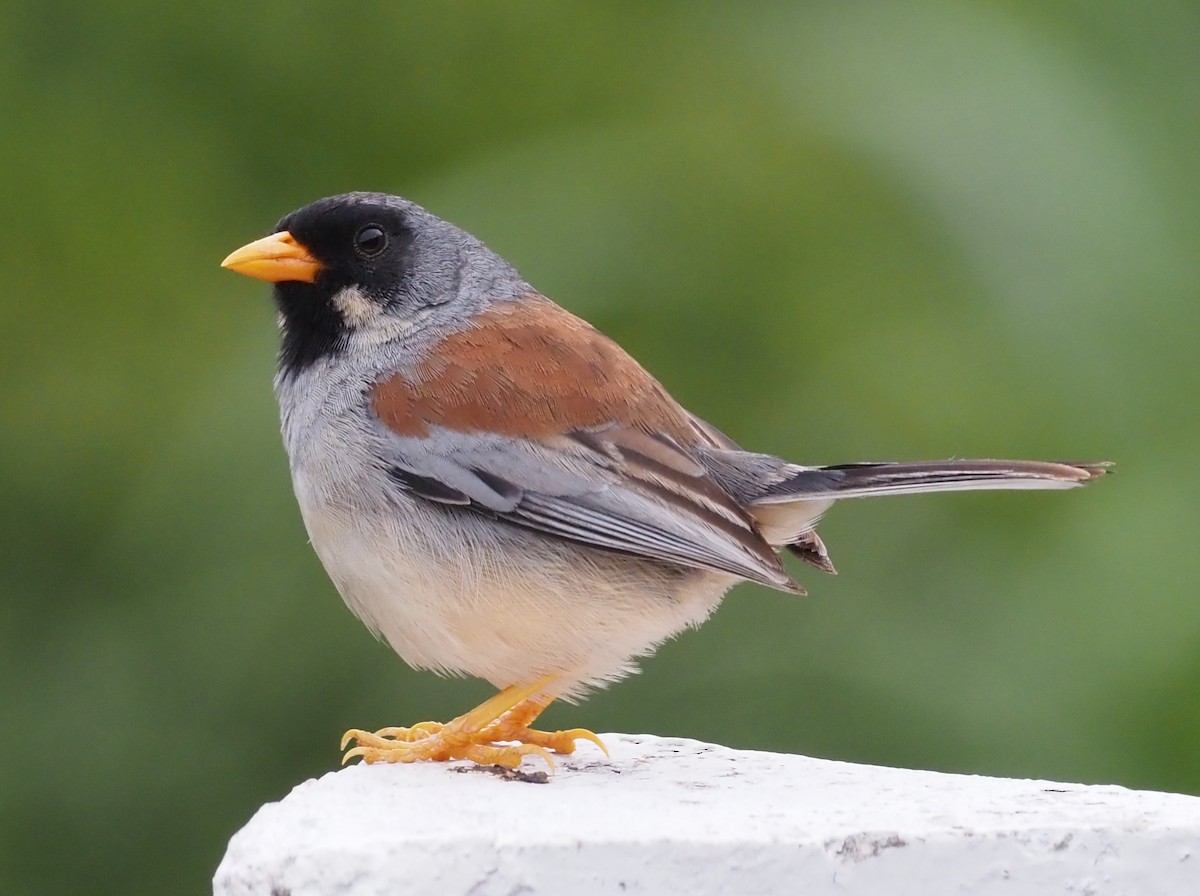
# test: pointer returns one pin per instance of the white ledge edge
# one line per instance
(667, 816)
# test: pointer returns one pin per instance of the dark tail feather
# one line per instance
(861, 480)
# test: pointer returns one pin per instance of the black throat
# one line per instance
(312, 327)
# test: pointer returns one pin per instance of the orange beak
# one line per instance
(274, 258)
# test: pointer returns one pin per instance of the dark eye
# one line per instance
(370, 241)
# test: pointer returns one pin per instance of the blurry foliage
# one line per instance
(838, 230)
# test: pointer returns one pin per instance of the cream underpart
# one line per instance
(465, 594)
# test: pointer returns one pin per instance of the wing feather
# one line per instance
(592, 492)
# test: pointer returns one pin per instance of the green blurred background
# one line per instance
(839, 230)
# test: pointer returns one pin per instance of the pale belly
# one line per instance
(460, 593)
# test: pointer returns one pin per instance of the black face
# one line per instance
(360, 241)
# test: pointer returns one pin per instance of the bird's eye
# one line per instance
(370, 241)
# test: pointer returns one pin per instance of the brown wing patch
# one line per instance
(529, 369)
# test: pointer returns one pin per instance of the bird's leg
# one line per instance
(474, 735)
(514, 724)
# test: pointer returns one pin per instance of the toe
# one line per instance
(508, 756)
(569, 737)
(419, 731)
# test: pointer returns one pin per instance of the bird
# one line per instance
(498, 490)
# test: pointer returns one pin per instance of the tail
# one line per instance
(788, 508)
(863, 480)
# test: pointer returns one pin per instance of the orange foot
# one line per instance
(480, 735)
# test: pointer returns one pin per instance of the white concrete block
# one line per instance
(670, 816)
